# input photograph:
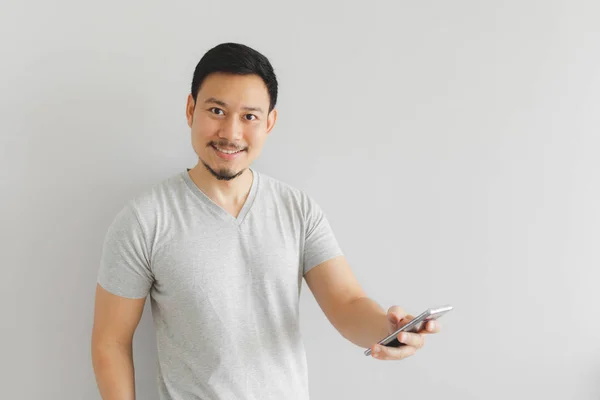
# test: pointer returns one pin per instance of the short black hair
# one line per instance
(238, 59)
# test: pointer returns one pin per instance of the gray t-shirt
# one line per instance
(224, 290)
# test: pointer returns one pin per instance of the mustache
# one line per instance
(224, 144)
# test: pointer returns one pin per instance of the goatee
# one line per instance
(223, 174)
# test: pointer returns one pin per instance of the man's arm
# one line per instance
(115, 321)
(358, 318)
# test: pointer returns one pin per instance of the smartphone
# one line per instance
(415, 325)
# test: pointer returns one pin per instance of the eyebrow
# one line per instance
(223, 104)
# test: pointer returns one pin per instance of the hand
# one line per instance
(414, 341)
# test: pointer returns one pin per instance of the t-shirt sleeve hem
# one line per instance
(320, 259)
(121, 292)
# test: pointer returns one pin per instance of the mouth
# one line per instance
(227, 154)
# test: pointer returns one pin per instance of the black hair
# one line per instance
(238, 59)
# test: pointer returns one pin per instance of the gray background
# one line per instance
(452, 144)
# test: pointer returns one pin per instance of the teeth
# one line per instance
(227, 151)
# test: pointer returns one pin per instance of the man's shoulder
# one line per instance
(156, 196)
(287, 193)
(280, 188)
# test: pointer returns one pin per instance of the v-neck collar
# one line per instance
(217, 209)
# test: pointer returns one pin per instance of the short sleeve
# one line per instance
(125, 262)
(320, 243)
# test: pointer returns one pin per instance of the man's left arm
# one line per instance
(357, 317)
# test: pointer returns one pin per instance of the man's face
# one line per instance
(230, 121)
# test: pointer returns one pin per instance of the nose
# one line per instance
(231, 129)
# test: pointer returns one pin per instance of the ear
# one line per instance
(271, 119)
(189, 110)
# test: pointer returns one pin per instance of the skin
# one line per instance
(232, 112)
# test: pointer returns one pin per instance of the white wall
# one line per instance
(452, 144)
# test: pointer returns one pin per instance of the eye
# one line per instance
(250, 117)
(216, 110)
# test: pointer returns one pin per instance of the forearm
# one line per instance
(363, 322)
(113, 366)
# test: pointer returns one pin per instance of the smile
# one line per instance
(227, 154)
(227, 151)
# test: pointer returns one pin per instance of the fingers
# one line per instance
(415, 340)
(405, 320)
(397, 318)
(393, 353)
(408, 318)
(431, 327)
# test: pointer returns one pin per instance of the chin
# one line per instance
(224, 174)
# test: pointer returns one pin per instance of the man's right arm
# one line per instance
(115, 321)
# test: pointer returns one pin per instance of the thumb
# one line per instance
(395, 314)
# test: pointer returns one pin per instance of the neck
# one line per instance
(225, 193)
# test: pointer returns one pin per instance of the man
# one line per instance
(222, 250)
